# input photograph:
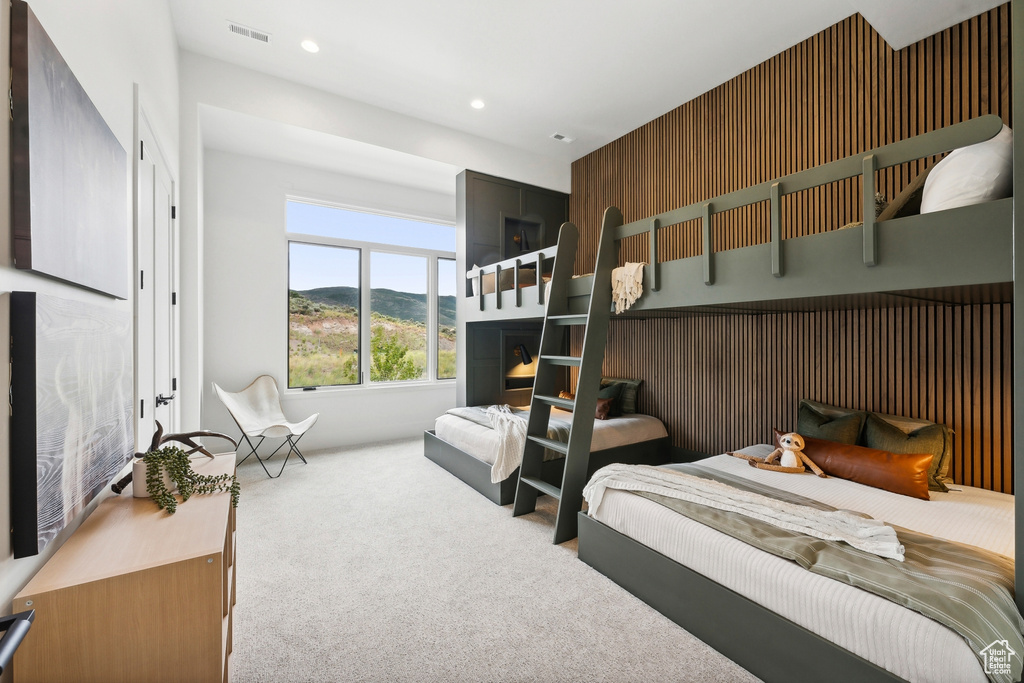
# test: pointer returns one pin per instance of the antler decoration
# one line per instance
(159, 438)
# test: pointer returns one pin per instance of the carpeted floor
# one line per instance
(374, 564)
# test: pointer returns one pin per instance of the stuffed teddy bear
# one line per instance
(790, 455)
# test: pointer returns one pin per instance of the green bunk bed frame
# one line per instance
(531, 303)
(965, 255)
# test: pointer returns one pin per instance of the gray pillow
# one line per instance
(837, 427)
(927, 439)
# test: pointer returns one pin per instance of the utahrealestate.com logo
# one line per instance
(997, 657)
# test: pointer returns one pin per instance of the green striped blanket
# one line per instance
(965, 588)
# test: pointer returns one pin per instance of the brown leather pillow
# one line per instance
(604, 408)
(604, 405)
(903, 473)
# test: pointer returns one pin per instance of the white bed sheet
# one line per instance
(900, 640)
(482, 442)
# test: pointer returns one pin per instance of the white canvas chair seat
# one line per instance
(257, 412)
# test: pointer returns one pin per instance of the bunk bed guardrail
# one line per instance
(516, 264)
(865, 164)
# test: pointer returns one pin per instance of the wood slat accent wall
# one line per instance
(720, 383)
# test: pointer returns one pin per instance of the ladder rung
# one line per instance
(573, 361)
(542, 486)
(572, 319)
(559, 446)
(566, 403)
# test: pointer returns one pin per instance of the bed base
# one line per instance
(762, 642)
(477, 473)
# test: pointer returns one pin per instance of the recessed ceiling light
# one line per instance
(477, 104)
(310, 46)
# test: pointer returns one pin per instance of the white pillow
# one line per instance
(971, 175)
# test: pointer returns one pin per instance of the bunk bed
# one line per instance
(466, 449)
(958, 255)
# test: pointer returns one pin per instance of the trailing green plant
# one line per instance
(176, 463)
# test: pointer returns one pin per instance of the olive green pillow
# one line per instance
(626, 404)
(928, 439)
(841, 429)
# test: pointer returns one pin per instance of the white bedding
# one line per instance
(893, 637)
(482, 442)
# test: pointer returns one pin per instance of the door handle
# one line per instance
(162, 400)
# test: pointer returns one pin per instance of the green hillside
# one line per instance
(323, 338)
(388, 302)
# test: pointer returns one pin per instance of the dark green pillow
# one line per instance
(627, 400)
(928, 439)
(842, 429)
(613, 391)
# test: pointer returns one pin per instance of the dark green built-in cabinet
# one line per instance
(497, 219)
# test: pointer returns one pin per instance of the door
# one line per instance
(156, 332)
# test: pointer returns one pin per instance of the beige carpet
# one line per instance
(374, 564)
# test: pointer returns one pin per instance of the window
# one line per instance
(366, 281)
(323, 315)
(446, 282)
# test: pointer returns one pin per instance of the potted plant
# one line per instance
(167, 470)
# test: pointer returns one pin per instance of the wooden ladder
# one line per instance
(557, 319)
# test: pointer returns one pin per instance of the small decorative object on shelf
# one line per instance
(167, 470)
(175, 463)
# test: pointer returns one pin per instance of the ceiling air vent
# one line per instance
(562, 138)
(247, 32)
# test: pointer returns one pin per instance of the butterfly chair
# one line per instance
(257, 412)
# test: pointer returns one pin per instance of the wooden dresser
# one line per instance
(136, 594)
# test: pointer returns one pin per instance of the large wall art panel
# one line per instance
(69, 173)
(71, 410)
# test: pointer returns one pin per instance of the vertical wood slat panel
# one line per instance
(720, 383)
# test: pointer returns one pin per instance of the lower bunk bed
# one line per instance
(783, 622)
(468, 449)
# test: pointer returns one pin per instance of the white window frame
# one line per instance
(365, 250)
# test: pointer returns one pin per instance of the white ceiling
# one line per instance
(231, 131)
(590, 69)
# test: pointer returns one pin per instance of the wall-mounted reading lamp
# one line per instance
(521, 242)
(520, 350)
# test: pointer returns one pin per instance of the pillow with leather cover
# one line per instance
(841, 425)
(902, 473)
(878, 433)
(605, 400)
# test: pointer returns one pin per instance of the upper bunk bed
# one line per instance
(957, 256)
(511, 289)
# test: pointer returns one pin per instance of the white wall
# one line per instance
(207, 81)
(246, 298)
(109, 44)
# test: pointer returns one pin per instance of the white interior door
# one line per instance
(156, 331)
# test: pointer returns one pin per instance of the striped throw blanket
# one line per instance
(967, 589)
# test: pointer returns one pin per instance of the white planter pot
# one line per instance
(139, 480)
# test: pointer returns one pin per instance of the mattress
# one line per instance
(900, 640)
(482, 442)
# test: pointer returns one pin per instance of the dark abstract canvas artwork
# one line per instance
(69, 173)
(71, 410)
